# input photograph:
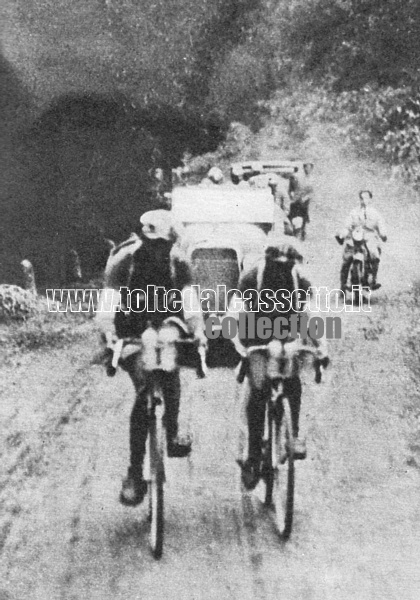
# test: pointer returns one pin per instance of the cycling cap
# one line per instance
(157, 224)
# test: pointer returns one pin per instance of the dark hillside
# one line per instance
(100, 91)
(116, 88)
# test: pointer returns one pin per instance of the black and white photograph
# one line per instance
(210, 300)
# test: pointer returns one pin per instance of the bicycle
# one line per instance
(278, 452)
(159, 354)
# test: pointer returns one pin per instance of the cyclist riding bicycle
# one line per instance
(279, 269)
(154, 258)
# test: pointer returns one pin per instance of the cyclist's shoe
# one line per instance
(133, 491)
(299, 449)
(250, 473)
(375, 286)
(178, 448)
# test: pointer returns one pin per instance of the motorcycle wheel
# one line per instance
(357, 275)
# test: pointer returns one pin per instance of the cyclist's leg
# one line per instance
(293, 391)
(255, 415)
(134, 487)
(138, 434)
(259, 387)
(172, 394)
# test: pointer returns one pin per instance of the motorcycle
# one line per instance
(361, 274)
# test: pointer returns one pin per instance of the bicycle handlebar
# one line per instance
(319, 364)
(117, 346)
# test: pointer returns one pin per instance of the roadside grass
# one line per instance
(43, 330)
(411, 351)
(412, 345)
(29, 323)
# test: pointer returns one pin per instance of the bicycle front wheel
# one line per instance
(283, 470)
(269, 460)
(157, 480)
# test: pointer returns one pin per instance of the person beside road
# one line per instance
(370, 220)
(280, 188)
(214, 177)
(301, 193)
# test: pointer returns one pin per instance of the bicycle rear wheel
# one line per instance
(283, 470)
(156, 442)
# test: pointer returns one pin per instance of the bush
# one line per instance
(384, 122)
(16, 304)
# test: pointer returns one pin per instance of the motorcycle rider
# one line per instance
(373, 225)
(153, 258)
(279, 269)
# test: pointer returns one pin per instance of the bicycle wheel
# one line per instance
(156, 441)
(268, 465)
(283, 469)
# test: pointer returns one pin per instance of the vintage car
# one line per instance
(225, 231)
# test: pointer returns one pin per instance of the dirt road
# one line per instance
(64, 431)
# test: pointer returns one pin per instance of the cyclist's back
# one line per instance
(150, 267)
